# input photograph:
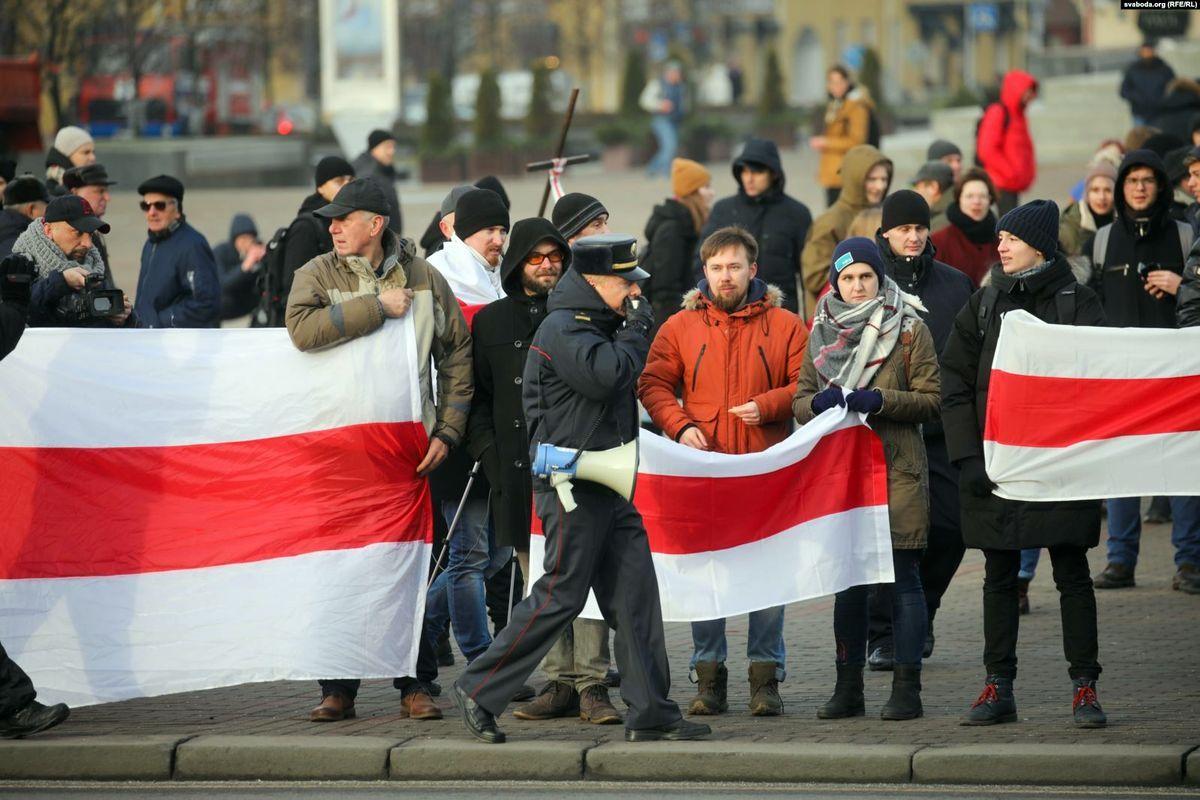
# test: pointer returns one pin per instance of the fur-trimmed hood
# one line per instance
(769, 295)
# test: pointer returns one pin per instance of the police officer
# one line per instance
(578, 392)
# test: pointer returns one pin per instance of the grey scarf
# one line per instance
(49, 257)
(850, 343)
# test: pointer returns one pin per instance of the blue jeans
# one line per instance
(458, 595)
(909, 616)
(1029, 562)
(1125, 530)
(666, 133)
(763, 644)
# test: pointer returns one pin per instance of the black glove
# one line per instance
(639, 316)
(17, 273)
(865, 401)
(973, 475)
(827, 399)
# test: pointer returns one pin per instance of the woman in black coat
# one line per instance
(1031, 276)
(671, 235)
(501, 333)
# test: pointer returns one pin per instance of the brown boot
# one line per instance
(1114, 576)
(334, 708)
(419, 705)
(764, 690)
(596, 708)
(712, 680)
(557, 699)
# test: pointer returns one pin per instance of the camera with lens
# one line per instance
(92, 302)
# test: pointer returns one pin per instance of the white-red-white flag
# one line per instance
(732, 534)
(186, 509)
(473, 284)
(1078, 413)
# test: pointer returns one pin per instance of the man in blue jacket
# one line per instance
(178, 285)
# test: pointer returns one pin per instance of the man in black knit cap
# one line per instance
(376, 163)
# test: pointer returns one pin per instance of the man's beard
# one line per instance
(730, 303)
(536, 286)
(79, 254)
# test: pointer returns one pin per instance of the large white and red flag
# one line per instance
(731, 534)
(473, 284)
(187, 509)
(1079, 413)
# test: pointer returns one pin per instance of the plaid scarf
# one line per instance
(850, 343)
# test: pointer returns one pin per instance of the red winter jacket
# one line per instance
(1004, 146)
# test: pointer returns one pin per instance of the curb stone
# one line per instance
(1052, 764)
(1191, 767)
(459, 759)
(792, 762)
(133, 758)
(284, 758)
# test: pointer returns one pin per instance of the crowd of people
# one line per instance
(736, 321)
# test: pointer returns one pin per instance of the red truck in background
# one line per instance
(20, 104)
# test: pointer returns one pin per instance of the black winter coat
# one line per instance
(1187, 308)
(1152, 240)
(778, 222)
(1144, 84)
(992, 522)
(12, 326)
(307, 238)
(496, 430)
(943, 290)
(581, 374)
(672, 240)
(365, 166)
(12, 225)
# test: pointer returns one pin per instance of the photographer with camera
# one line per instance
(1138, 263)
(20, 714)
(73, 288)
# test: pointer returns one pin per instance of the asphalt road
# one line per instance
(592, 790)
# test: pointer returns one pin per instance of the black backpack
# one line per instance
(1064, 302)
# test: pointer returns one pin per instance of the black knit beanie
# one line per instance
(378, 137)
(479, 209)
(574, 211)
(1035, 223)
(331, 167)
(904, 207)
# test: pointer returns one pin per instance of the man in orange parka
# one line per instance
(733, 356)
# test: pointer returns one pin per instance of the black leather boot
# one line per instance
(905, 702)
(847, 700)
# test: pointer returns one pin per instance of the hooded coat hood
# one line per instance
(527, 234)
(1013, 89)
(858, 162)
(1162, 203)
(765, 152)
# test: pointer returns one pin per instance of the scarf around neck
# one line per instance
(981, 232)
(850, 343)
(49, 257)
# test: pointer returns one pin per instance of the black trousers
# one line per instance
(1076, 602)
(831, 195)
(944, 550)
(1007, 201)
(601, 546)
(16, 690)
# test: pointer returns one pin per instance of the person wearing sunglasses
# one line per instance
(178, 286)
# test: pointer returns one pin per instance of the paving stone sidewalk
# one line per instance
(1149, 647)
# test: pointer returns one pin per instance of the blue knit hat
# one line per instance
(1035, 224)
(855, 250)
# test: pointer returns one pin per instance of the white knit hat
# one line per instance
(70, 139)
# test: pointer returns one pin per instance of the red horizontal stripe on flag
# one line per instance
(73, 512)
(1038, 411)
(469, 311)
(685, 515)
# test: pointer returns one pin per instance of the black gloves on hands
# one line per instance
(17, 273)
(865, 401)
(639, 316)
(827, 399)
(973, 476)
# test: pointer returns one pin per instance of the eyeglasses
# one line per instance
(1141, 182)
(536, 259)
(157, 205)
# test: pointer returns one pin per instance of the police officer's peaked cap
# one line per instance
(608, 254)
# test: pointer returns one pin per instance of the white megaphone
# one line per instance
(615, 468)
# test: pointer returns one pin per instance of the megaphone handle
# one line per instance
(565, 495)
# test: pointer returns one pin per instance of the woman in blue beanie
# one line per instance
(1033, 276)
(870, 352)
